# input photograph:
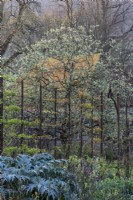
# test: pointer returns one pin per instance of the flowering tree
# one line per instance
(72, 62)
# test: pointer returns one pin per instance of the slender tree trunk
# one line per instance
(118, 136)
(1, 86)
(22, 110)
(69, 123)
(55, 120)
(81, 127)
(92, 130)
(1, 115)
(101, 125)
(40, 116)
(127, 152)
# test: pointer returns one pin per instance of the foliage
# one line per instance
(18, 20)
(98, 181)
(116, 188)
(23, 148)
(56, 52)
(53, 62)
(13, 135)
(36, 177)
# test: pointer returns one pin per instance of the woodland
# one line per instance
(66, 100)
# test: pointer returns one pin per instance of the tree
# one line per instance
(54, 60)
(109, 17)
(58, 51)
(111, 20)
(64, 59)
(18, 20)
(69, 8)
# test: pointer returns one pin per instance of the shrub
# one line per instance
(116, 189)
(98, 181)
(37, 177)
